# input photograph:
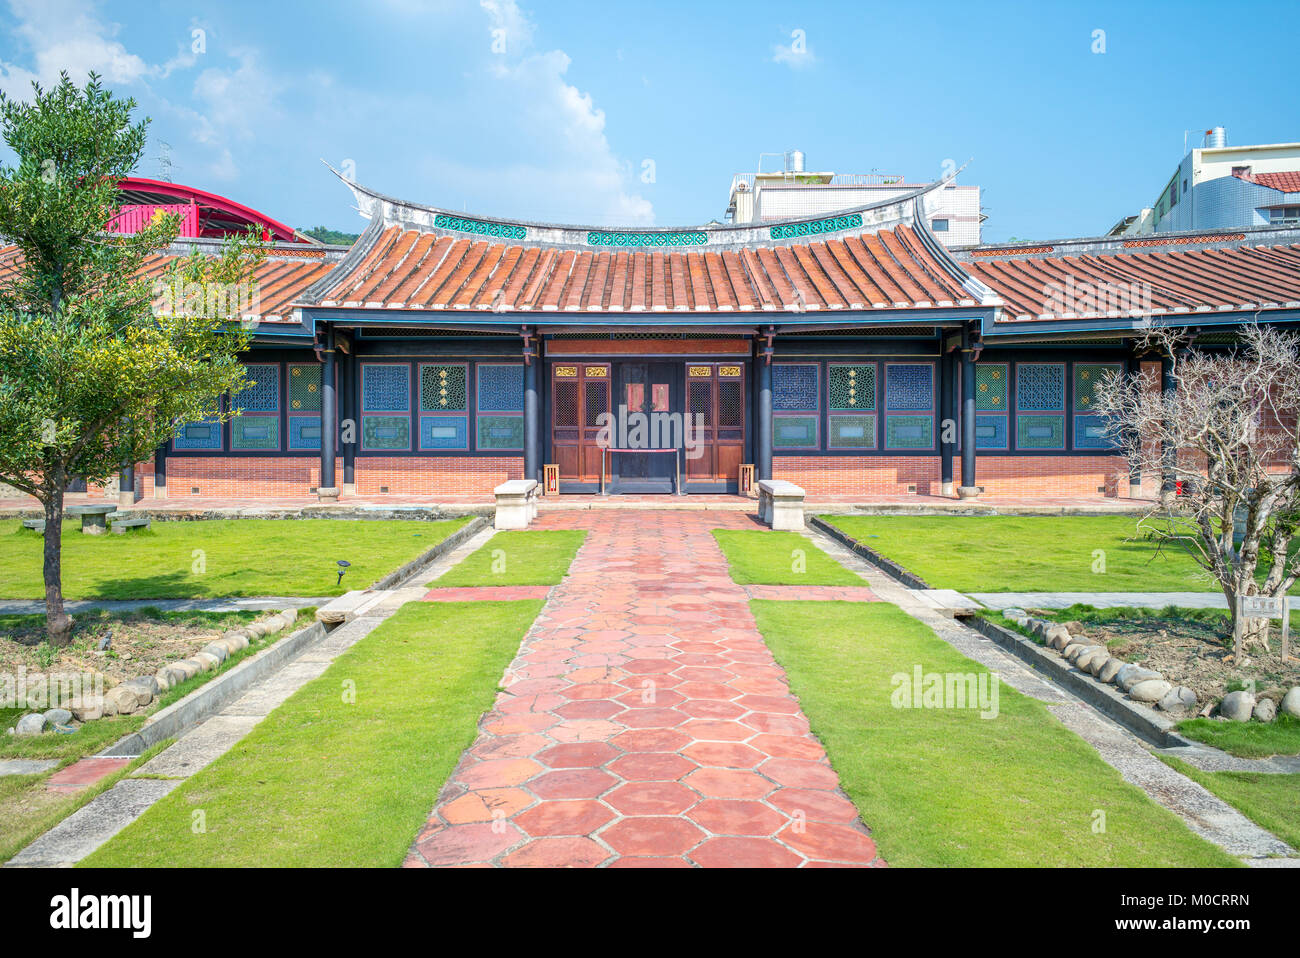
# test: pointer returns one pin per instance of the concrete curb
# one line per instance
(1144, 723)
(888, 566)
(211, 697)
(394, 579)
(425, 513)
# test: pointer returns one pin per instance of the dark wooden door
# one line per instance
(651, 391)
(579, 397)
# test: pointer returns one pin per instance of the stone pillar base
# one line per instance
(349, 488)
(328, 494)
(1135, 490)
(948, 489)
(968, 492)
(125, 499)
(159, 492)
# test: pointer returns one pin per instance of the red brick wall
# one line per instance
(999, 475)
(243, 478)
(432, 475)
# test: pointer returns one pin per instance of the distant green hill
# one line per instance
(330, 236)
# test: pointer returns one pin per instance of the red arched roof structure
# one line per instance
(212, 215)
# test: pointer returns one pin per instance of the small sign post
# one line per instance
(1266, 607)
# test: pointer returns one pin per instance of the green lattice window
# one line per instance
(304, 387)
(442, 388)
(851, 387)
(909, 432)
(991, 387)
(255, 433)
(501, 432)
(385, 433)
(851, 432)
(1040, 432)
(794, 432)
(1087, 377)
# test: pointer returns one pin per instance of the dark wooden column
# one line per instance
(1133, 372)
(763, 426)
(329, 422)
(160, 472)
(968, 489)
(947, 414)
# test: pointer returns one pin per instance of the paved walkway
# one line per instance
(1100, 600)
(645, 723)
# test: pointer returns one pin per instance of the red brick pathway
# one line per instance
(85, 772)
(644, 723)
(492, 593)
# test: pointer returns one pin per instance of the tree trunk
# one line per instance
(58, 624)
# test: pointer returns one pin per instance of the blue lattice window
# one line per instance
(909, 406)
(990, 431)
(500, 387)
(444, 432)
(385, 407)
(304, 392)
(1040, 406)
(202, 436)
(795, 387)
(256, 425)
(1090, 430)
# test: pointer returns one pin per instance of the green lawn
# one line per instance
(1248, 739)
(523, 557)
(757, 557)
(326, 782)
(944, 787)
(1270, 801)
(1026, 554)
(218, 558)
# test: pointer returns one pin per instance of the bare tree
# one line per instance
(1227, 431)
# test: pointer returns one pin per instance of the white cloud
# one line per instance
(796, 54)
(66, 35)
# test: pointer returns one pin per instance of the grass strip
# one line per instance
(758, 557)
(517, 557)
(1270, 801)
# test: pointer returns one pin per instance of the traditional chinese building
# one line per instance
(444, 353)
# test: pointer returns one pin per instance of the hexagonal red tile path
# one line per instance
(645, 723)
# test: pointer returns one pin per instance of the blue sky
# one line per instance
(640, 113)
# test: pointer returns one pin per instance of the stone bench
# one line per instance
(780, 504)
(37, 524)
(121, 521)
(516, 503)
(92, 518)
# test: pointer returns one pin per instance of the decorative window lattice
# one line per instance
(385, 388)
(909, 432)
(252, 433)
(909, 386)
(850, 388)
(304, 432)
(442, 388)
(1040, 432)
(794, 387)
(204, 435)
(444, 432)
(699, 401)
(384, 433)
(305, 387)
(990, 432)
(794, 432)
(1087, 377)
(501, 432)
(597, 402)
(565, 405)
(1040, 387)
(1090, 433)
(991, 387)
(500, 388)
(852, 432)
(263, 395)
(731, 411)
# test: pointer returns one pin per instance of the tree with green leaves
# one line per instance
(99, 364)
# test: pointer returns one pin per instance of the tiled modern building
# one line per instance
(444, 353)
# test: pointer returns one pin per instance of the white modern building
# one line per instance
(1217, 186)
(794, 192)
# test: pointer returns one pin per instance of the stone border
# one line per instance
(420, 513)
(212, 696)
(888, 566)
(1144, 723)
(467, 531)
